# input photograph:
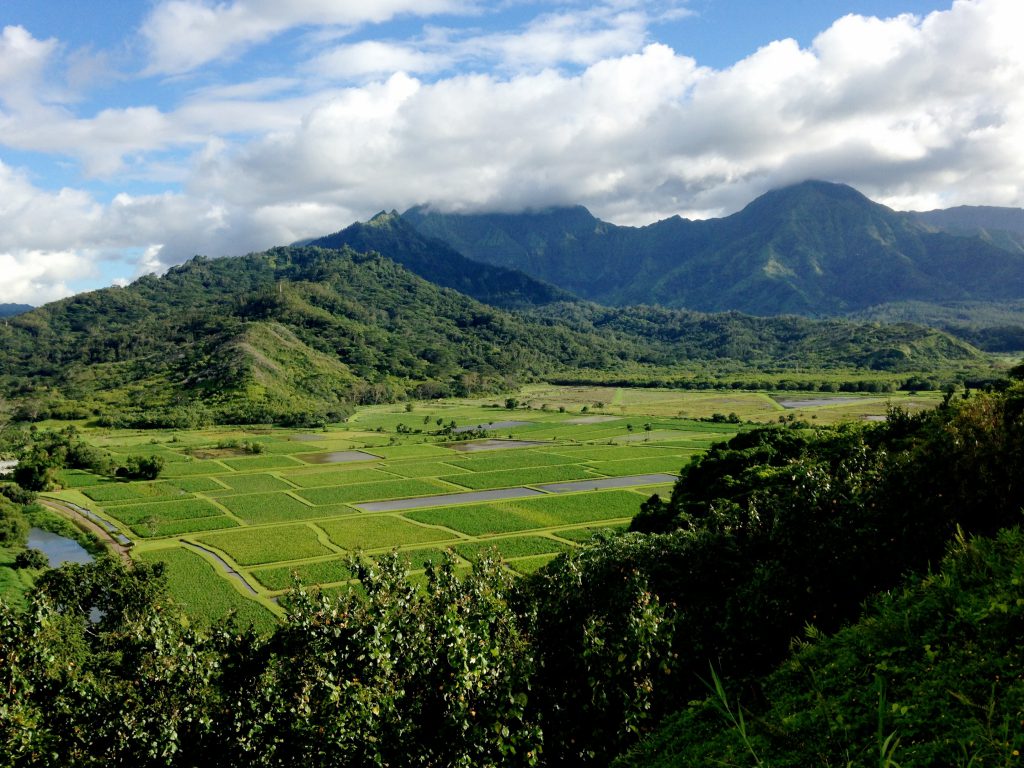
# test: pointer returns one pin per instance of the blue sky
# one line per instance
(134, 135)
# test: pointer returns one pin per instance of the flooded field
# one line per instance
(471, 446)
(448, 498)
(338, 457)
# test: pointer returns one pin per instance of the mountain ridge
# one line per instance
(301, 335)
(814, 248)
(434, 260)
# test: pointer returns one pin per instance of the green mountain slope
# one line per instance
(299, 335)
(436, 261)
(1002, 227)
(292, 328)
(10, 310)
(813, 249)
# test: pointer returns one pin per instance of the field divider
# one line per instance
(227, 567)
(323, 538)
(224, 510)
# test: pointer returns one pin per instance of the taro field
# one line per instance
(240, 515)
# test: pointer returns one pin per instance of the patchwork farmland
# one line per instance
(237, 528)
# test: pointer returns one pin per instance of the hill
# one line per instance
(436, 261)
(299, 335)
(1002, 227)
(813, 249)
(281, 335)
(10, 310)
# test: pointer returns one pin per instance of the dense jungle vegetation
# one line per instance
(672, 644)
(299, 336)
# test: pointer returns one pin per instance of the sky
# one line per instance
(134, 135)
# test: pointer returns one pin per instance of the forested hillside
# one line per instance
(812, 249)
(437, 262)
(299, 335)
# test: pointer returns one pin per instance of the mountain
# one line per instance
(813, 249)
(1002, 227)
(10, 310)
(300, 335)
(436, 261)
(276, 336)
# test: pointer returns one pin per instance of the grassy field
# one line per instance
(281, 514)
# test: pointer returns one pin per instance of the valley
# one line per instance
(233, 526)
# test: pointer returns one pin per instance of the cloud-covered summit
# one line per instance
(246, 124)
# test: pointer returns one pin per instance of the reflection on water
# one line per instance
(59, 549)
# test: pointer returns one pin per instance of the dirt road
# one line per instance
(86, 524)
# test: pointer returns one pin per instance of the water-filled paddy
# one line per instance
(338, 457)
(446, 499)
(471, 446)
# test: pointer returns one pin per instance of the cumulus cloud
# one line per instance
(916, 112)
(37, 277)
(890, 106)
(23, 60)
(184, 34)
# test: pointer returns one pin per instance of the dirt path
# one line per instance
(85, 523)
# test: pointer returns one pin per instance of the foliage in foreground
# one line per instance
(933, 675)
(398, 676)
(778, 528)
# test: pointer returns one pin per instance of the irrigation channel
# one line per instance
(224, 564)
(105, 531)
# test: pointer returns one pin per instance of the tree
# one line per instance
(32, 558)
(141, 468)
(35, 474)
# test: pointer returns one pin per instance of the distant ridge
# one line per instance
(1002, 227)
(10, 310)
(814, 248)
(301, 335)
(436, 261)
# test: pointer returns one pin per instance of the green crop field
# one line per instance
(513, 546)
(196, 585)
(389, 489)
(261, 462)
(259, 508)
(324, 477)
(192, 468)
(317, 572)
(511, 459)
(256, 546)
(527, 476)
(379, 531)
(670, 464)
(424, 469)
(159, 511)
(278, 512)
(114, 492)
(198, 484)
(257, 483)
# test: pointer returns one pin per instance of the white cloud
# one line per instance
(37, 277)
(651, 134)
(373, 57)
(23, 60)
(918, 113)
(185, 34)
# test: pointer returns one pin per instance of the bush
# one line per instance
(32, 558)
